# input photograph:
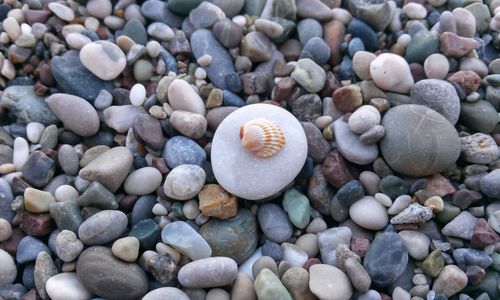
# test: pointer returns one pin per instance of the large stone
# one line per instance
(26, 105)
(75, 79)
(104, 59)
(391, 73)
(328, 282)
(439, 95)
(247, 175)
(418, 141)
(450, 281)
(103, 227)
(208, 272)
(108, 277)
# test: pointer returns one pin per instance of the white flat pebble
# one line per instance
(61, 11)
(34, 131)
(105, 59)
(137, 94)
(143, 181)
(66, 193)
(21, 153)
(66, 286)
(369, 213)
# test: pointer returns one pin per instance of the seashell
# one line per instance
(413, 214)
(262, 137)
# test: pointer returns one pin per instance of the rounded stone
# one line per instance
(246, 175)
(182, 96)
(439, 95)
(143, 181)
(5, 230)
(108, 277)
(76, 113)
(328, 282)
(8, 270)
(235, 237)
(369, 213)
(416, 242)
(208, 272)
(391, 72)
(418, 141)
(364, 118)
(104, 59)
(103, 227)
(65, 286)
(184, 182)
(436, 66)
(166, 293)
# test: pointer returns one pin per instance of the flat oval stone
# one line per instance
(249, 176)
(76, 114)
(29, 248)
(166, 293)
(350, 145)
(8, 270)
(106, 276)
(369, 213)
(329, 282)
(203, 42)
(180, 150)
(235, 237)
(184, 182)
(208, 272)
(274, 223)
(105, 59)
(143, 181)
(418, 141)
(103, 227)
(386, 259)
(185, 239)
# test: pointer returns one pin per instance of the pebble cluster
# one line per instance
(122, 173)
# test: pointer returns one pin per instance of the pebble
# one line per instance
(106, 276)
(38, 169)
(361, 64)
(104, 59)
(186, 240)
(189, 124)
(391, 73)
(489, 184)
(243, 184)
(74, 78)
(8, 270)
(166, 293)
(181, 150)
(143, 181)
(450, 281)
(268, 286)
(43, 270)
(184, 182)
(444, 139)
(126, 248)
(37, 201)
(203, 42)
(66, 286)
(461, 226)
(97, 195)
(103, 227)
(274, 223)
(61, 11)
(317, 50)
(363, 119)
(208, 272)
(28, 249)
(137, 94)
(330, 239)
(328, 282)
(479, 148)
(445, 99)
(76, 114)
(350, 146)
(480, 116)
(417, 243)
(309, 75)
(68, 246)
(413, 214)
(26, 105)
(436, 66)
(214, 201)
(235, 237)
(369, 213)
(182, 97)
(386, 264)
(5, 230)
(298, 208)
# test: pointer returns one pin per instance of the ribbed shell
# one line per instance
(262, 137)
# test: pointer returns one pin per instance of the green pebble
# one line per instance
(269, 287)
(66, 215)
(394, 186)
(422, 45)
(433, 263)
(298, 208)
(482, 15)
(479, 116)
(183, 7)
(147, 232)
(449, 212)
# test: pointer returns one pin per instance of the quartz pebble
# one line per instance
(104, 59)
(66, 286)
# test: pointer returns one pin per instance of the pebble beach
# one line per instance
(249, 149)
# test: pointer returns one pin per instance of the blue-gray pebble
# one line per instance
(28, 249)
(182, 150)
(274, 223)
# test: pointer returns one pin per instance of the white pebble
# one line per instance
(363, 119)
(66, 193)
(159, 210)
(11, 26)
(99, 8)
(383, 199)
(414, 11)
(436, 66)
(153, 48)
(77, 40)
(190, 209)
(91, 23)
(8, 70)
(34, 131)
(404, 39)
(205, 60)
(25, 28)
(63, 12)
(65, 286)
(240, 21)
(200, 73)
(21, 153)
(161, 31)
(137, 94)
(4, 38)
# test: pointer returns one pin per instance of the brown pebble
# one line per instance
(483, 235)
(348, 98)
(417, 72)
(216, 202)
(255, 83)
(310, 262)
(284, 89)
(359, 245)
(475, 274)
(468, 80)
(334, 32)
(37, 224)
(126, 203)
(11, 244)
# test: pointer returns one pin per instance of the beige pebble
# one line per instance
(163, 249)
(7, 168)
(77, 40)
(323, 122)
(37, 201)
(436, 203)
(11, 26)
(190, 209)
(204, 60)
(61, 11)
(5, 230)
(114, 22)
(66, 193)
(126, 248)
(342, 15)
(361, 64)
(91, 23)
(436, 66)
